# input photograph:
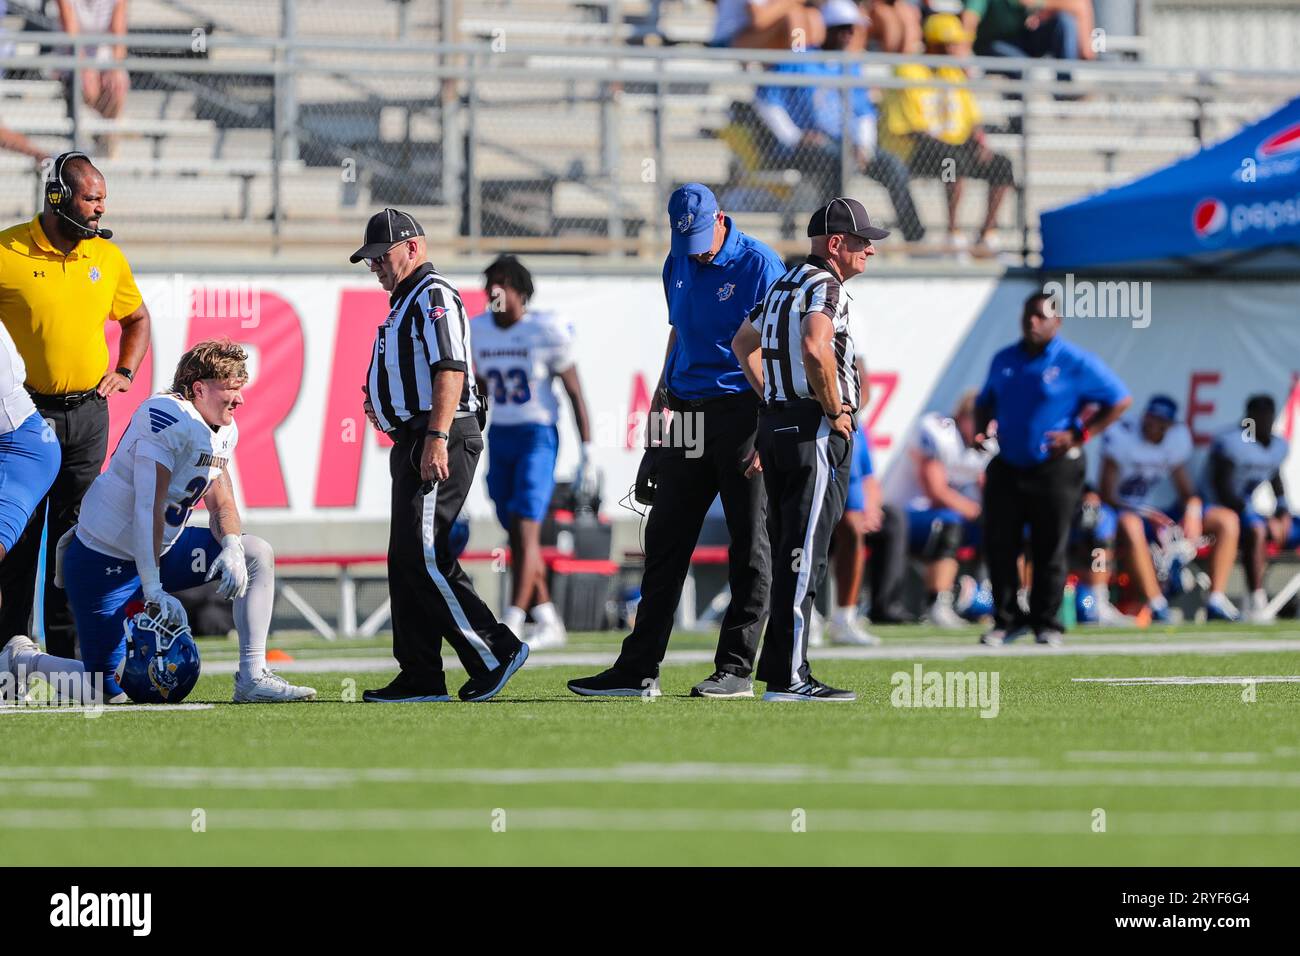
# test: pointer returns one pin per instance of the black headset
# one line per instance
(58, 194)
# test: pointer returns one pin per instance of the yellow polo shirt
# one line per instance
(55, 306)
(946, 113)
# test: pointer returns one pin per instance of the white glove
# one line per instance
(59, 551)
(230, 564)
(586, 481)
(170, 609)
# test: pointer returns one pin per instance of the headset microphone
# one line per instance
(85, 231)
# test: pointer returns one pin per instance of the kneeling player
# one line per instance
(131, 542)
(943, 514)
(517, 355)
(1136, 460)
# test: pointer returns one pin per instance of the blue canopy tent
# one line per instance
(1233, 206)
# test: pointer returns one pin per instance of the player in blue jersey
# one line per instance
(519, 353)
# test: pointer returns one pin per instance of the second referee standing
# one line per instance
(797, 352)
(420, 392)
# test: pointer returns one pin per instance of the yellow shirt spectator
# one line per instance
(948, 114)
(55, 306)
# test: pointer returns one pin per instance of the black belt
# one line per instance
(780, 405)
(679, 404)
(61, 402)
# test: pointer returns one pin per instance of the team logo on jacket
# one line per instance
(727, 291)
(1051, 374)
(437, 312)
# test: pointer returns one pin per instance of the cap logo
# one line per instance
(685, 222)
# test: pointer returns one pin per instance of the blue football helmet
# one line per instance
(161, 665)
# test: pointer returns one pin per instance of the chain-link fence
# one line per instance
(234, 145)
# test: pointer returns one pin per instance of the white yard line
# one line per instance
(484, 819)
(93, 712)
(889, 652)
(1177, 681)
(869, 774)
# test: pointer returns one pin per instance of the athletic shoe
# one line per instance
(1110, 616)
(17, 643)
(1219, 608)
(851, 632)
(941, 614)
(544, 636)
(403, 690)
(612, 683)
(723, 685)
(269, 688)
(1159, 615)
(479, 689)
(1050, 636)
(1002, 635)
(811, 689)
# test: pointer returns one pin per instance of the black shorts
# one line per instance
(929, 156)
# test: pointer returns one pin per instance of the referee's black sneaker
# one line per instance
(811, 689)
(405, 690)
(483, 688)
(612, 683)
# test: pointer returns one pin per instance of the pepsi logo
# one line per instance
(1209, 216)
(1285, 140)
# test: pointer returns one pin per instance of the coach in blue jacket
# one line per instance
(714, 276)
(1037, 391)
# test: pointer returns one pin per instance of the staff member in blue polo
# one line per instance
(714, 276)
(1036, 392)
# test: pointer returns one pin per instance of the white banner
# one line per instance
(306, 453)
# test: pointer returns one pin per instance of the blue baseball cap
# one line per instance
(1163, 407)
(692, 210)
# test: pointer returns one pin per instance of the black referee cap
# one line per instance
(384, 230)
(842, 215)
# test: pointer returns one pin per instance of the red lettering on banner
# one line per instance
(638, 410)
(887, 382)
(338, 472)
(276, 333)
(1197, 408)
(1292, 401)
(123, 405)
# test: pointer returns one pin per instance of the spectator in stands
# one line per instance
(16, 142)
(1242, 459)
(1061, 29)
(1137, 459)
(895, 26)
(768, 25)
(808, 122)
(937, 130)
(944, 502)
(103, 90)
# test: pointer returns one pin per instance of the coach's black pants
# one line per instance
(83, 437)
(689, 480)
(806, 471)
(1044, 497)
(431, 596)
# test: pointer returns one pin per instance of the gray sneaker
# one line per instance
(999, 636)
(724, 685)
(1050, 636)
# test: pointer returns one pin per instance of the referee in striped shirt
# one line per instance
(797, 352)
(420, 392)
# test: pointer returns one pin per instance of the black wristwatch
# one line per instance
(434, 433)
(125, 373)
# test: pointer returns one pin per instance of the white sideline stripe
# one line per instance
(108, 709)
(1163, 756)
(1176, 681)
(317, 778)
(889, 652)
(311, 819)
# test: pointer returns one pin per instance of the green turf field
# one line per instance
(1184, 773)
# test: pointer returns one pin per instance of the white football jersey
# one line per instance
(938, 437)
(169, 430)
(15, 404)
(519, 364)
(1253, 462)
(1144, 466)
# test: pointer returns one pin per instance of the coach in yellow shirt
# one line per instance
(60, 281)
(937, 129)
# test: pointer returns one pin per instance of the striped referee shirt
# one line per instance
(426, 331)
(809, 287)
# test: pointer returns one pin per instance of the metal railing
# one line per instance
(287, 143)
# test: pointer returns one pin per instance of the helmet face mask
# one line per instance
(161, 665)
